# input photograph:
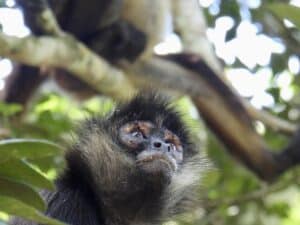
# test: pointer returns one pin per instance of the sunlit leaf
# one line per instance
(9, 109)
(27, 148)
(21, 171)
(3, 216)
(286, 11)
(18, 208)
(22, 192)
(46, 163)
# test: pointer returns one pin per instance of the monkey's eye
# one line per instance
(137, 134)
(137, 128)
(133, 134)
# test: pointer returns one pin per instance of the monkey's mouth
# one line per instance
(158, 159)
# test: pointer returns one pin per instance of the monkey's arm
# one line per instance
(21, 83)
(68, 205)
(71, 206)
(30, 11)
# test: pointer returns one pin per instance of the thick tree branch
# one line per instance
(159, 73)
(67, 53)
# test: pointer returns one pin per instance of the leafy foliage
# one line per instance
(285, 11)
(19, 180)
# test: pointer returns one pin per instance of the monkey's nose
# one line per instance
(157, 144)
(160, 145)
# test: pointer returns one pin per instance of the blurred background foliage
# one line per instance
(229, 193)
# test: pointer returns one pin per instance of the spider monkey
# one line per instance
(137, 166)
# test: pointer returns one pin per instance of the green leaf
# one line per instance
(9, 109)
(22, 192)
(18, 208)
(286, 11)
(47, 163)
(279, 208)
(20, 171)
(3, 216)
(27, 148)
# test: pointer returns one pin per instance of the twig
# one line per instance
(275, 123)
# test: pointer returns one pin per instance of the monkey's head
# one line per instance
(157, 150)
(142, 145)
(139, 161)
(151, 134)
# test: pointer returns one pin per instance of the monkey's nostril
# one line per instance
(157, 144)
(169, 148)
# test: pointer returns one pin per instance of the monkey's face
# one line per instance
(157, 150)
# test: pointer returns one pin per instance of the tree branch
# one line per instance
(69, 54)
(220, 107)
(222, 110)
(275, 123)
